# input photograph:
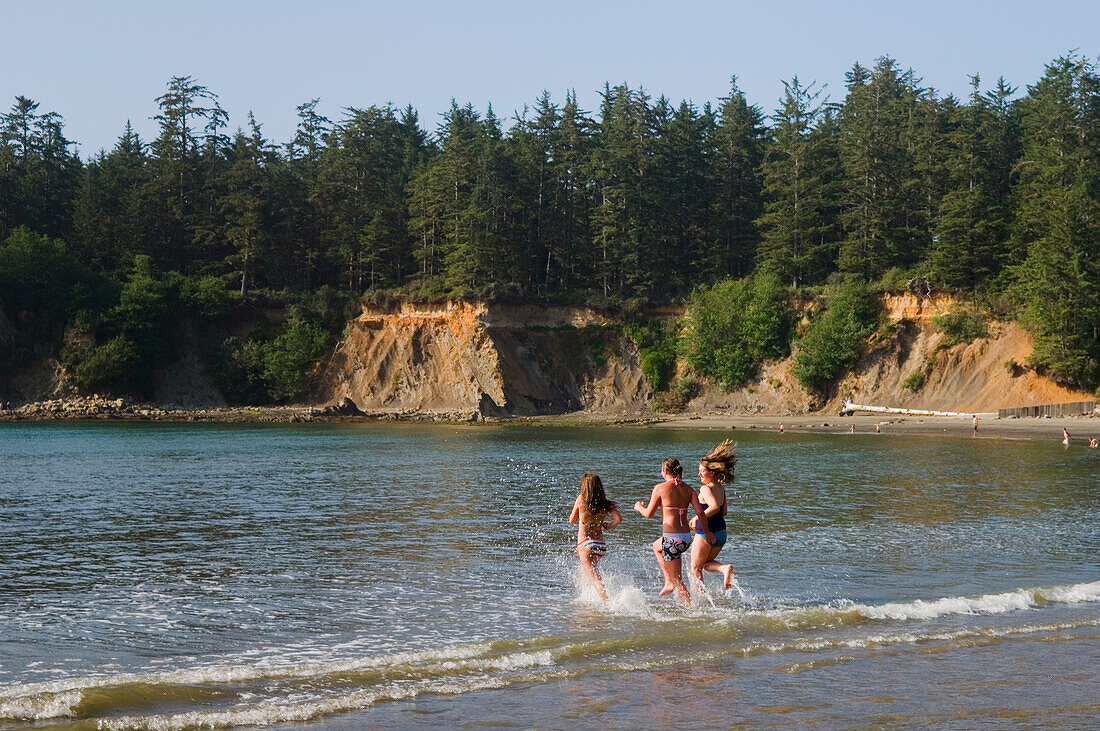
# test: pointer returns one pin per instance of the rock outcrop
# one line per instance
(490, 360)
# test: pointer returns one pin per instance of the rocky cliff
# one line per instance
(507, 360)
(500, 360)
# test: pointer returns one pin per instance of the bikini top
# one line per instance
(683, 510)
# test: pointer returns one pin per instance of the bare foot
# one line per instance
(727, 575)
(667, 589)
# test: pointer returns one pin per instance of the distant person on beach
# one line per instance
(1065, 436)
(1092, 442)
(715, 470)
(975, 423)
(593, 513)
(673, 497)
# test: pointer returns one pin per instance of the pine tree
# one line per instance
(796, 221)
(108, 218)
(360, 193)
(740, 142)
(1057, 286)
(880, 216)
(972, 225)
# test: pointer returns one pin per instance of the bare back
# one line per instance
(590, 525)
(676, 499)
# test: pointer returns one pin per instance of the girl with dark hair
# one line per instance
(672, 497)
(591, 511)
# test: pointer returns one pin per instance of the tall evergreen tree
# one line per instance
(1058, 219)
(796, 220)
(361, 194)
(38, 171)
(108, 217)
(459, 208)
(176, 170)
(880, 215)
(740, 143)
(971, 229)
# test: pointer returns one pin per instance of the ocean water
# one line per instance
(171, 576)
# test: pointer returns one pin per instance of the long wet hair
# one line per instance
(593, 498)
(720, 461)
(672, 466)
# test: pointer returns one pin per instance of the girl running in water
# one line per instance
(591, 511)
(673, 498)
(715, 470)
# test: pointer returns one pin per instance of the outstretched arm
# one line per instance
(647, 511)
(616, 518)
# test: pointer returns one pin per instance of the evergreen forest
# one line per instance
(104, 261)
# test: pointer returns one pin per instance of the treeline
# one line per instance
(641, 201)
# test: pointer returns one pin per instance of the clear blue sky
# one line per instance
(101, 63)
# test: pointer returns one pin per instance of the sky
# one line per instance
(100, 64)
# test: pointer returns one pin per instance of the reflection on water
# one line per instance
(178, 575)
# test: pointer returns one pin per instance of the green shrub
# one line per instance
(687, 388)
(237, 370)
(205, 296)
(915, 381)
(289, 357)
(735, 325)
(42, 281)
(110, 367)
(961, 326)
(657, 351)
(835, 338)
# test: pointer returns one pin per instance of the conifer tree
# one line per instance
(1058, 219)
(796, 188)
(739, 152)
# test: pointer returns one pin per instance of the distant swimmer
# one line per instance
(715, 470)
(593, 513)
(1092, 442)
(1065, 436)
(673, 498)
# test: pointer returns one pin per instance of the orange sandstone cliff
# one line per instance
(473, 358)
(492, 360)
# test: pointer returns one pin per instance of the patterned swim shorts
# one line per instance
(673, 544)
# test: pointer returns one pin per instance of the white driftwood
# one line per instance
(851, 408)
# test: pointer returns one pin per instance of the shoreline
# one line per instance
(1081, 428)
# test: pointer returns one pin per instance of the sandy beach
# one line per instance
(1080, 428)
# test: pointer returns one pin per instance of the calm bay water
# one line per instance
(346, 576)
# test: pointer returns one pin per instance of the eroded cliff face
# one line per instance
(493, 360)
(513, 360)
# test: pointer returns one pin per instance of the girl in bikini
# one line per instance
(715, 470)
(673, 498)
(591, 511)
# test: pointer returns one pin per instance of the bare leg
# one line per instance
(668, 587)
(589, 561)
(700, 554)
(675, 574)
(723, 568)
